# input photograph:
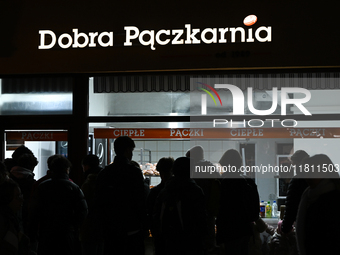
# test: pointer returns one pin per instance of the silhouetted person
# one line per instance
(296, 187)
(317, 223)
(48, 174)
(23, 164)
(61, 208)
(89, 234)
(12, 239)
(164, 167)
(239, 206)
(120, 202)
(31, 231)
(180, 215)
(23, 174)
(211, 189)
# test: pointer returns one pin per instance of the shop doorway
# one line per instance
(43, 144)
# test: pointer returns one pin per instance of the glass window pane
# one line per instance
(35, 96)
(277, 94)
(262, 154)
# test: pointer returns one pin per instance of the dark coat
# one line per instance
(10, 234)
(60, 210)
(151, 202)
(26, 182)
(89, 231)
(89, 185)
(296, 188)
(120, 198)
(322, 225)
(61, 205)
(235, 216)
(193, 215)
(210, 187)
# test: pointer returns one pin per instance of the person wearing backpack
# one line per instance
(180, 216)
(239, 206)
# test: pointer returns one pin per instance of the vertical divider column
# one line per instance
(79, 127)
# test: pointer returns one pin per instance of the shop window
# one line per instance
(182, 94)
(35, 96)
(273, 148)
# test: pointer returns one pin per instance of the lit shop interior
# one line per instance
(117, 103)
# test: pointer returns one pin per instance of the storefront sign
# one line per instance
(37, 136)
(217, 133)
(125, 37)
(159, 37)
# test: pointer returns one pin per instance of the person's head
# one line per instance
(21, 150)
(181, 168)
(318, 167)
(123, 146)
(231, 157)
(90, 162)
(298, 156)
(10, 195)
(50, 160)
(28, 161)
(164, 167)
(196, 153)
(60, 165)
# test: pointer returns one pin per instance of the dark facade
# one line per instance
(73, 41)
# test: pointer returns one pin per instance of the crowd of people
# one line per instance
(114, 211)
